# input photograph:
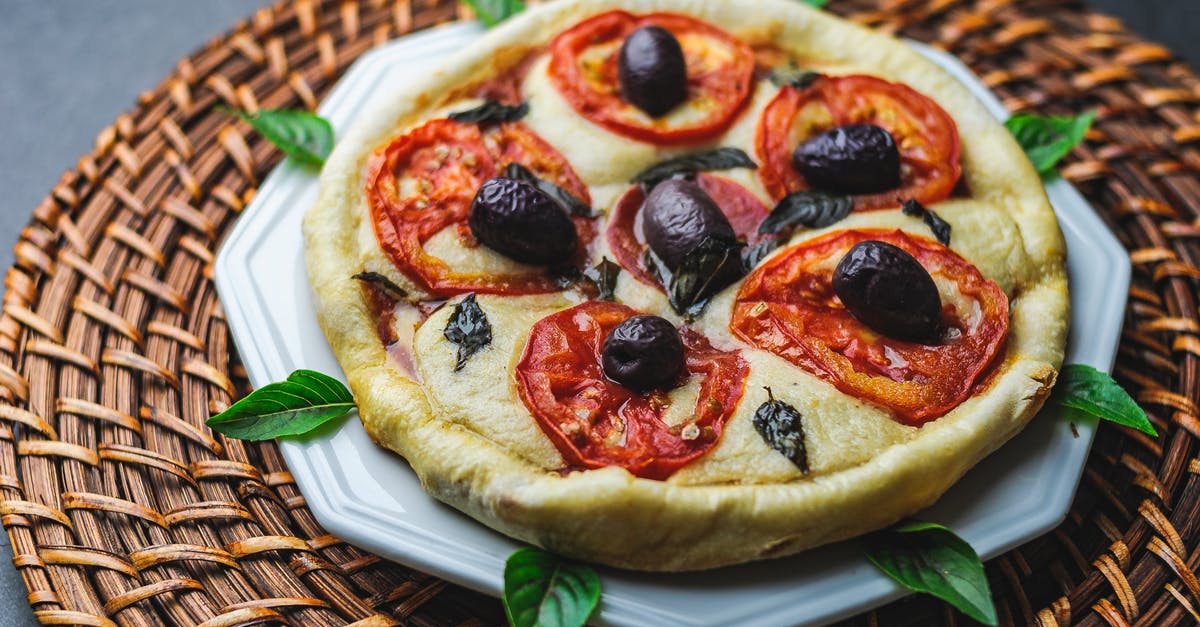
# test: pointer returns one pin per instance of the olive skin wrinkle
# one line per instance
(888, 290)
(652, 71)
(521, 222)
(643, 353)
(677, 216)
(853, 159)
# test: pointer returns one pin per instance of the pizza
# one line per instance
(669, 285)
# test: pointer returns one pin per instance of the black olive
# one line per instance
(643, 353)
(652, 71)
(521, 222)
(888, 290)
(854, 159)
(677, 216)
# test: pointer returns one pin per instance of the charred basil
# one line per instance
(569, 201)
(491, 111)
(393, 291)
(780, 426)
(704, 271)
(652, 71)
(677, 216)
(469, 328)
(756, 253)
(521, 222)
(940, 228)
(643, 353)
(720, 159)
(604, 276)
(854, 159)
(889, 291)
(809, 209)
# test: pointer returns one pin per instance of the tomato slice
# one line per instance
(925, 134)
(744, 210)
(423, 182)
(788, 307)
(595, 422)
(583, 67)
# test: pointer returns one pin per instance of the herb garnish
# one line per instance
(779, 425)
(542, 589)
(810, 209)
(754, 255)
(491, 111)
(817, 4)
(393, 291)
(604, 277)
(305, 401)
(469, 328)
(1084, 389)
(713, 264)
(792, 75)
(940, 228)
(927, 557)
(492, 12)
(573, 204)
(305, 136)
(720, 159)
(1047, 139)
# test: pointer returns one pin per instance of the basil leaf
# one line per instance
(927, 557)
(393, 291)
(1093, 392)
(809, 209)
(1047, 139)
(719, 159)
(816, 3)
(492, 12)
(940, 228)
(779, 425)
(756, 253)
(491, 111)
(706, 269)
(791, 75)
(305, 401)
(469, 328)
(544, 590)
(569, 201)
(604, 277)
(305, 136)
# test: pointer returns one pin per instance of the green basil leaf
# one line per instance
(809, 209)
(1047, 139)
(544, 590)
(491, 111)
(816, 3)
(572, 203)
(1093, 392)
(492, 12)
(304, 136)
(307, 400)
(468, 327)
(604, 277)
(781, 428)
(719, 159)
(705, 270)
(927, 557)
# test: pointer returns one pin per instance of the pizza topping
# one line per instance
(813, 210)
(720, 159)
(604, 276)
(855, 159)
(923, 134)
(384, 284)
(595, 422)
(521, 222)
(468, 327)
(652, 70)
(788, 306)
(940, 228)
(569, 201)
(780, 426)
(643, 353)
(704, 271)
(889, 291)
(677, 216)
(491, 111)
(585, 67)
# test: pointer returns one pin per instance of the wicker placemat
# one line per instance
(122, 507)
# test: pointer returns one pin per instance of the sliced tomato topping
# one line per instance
(744, 210)
(424, 181)
(720, 72)
(595, 422)
(925, 135)
(788, 307)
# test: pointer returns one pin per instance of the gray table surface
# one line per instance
(69, 67)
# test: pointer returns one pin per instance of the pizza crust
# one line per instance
(742, 501)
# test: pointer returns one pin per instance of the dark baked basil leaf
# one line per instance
(940, 228)
(305, 136)
(927, 557)
(393, 291)
(1083, 388)
(305, 401)
(809, 209)
(469, 328)
(756, 253)
(604, 277)
(1047, 139)
(719, 159)
(544, 590)
(780, 426)
(792, 75)
(569, 201)
(912, 207)
(491, 111)
(492, 12)
(713, 264)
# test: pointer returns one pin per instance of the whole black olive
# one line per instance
(521, 222)
(652, 71)
(888, 290)
(854, 159)
(643, 353)
(677, 216)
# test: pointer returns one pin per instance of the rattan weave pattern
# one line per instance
(122, 507)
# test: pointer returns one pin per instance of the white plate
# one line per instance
(371, 498)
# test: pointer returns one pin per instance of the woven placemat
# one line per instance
(123, 508)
